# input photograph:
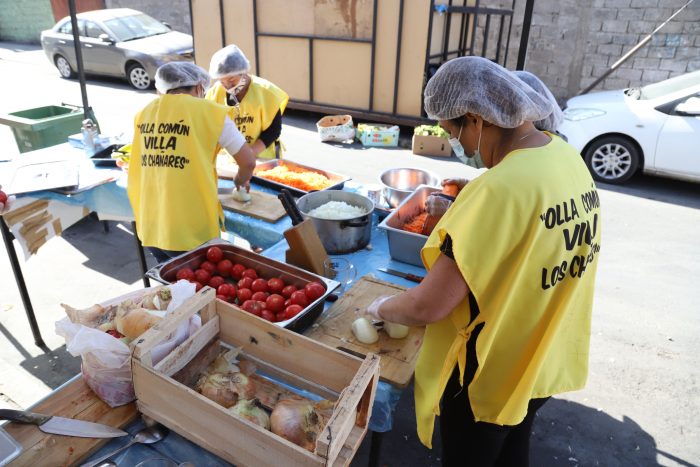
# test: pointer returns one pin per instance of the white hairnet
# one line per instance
(229, 61)
(175, 75)
(553, 120)
(479, 86)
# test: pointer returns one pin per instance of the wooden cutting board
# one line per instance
(398, 356)
(74, 400)
(262, 206)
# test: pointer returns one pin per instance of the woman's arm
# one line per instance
(442, 289)
(269, 135)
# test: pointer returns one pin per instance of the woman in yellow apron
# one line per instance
(511, 267)
(256, 105)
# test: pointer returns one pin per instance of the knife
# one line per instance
(405, 275)
(62, 425)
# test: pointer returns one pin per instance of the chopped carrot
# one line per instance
(415, 225)
(306, 180)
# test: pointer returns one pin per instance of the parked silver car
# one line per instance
(116, 42)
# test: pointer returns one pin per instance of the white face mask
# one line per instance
(472, 160)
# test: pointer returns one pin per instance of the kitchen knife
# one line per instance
(405, 275)
(62, 425)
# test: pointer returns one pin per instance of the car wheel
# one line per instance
(138, 77)
(612, 159)
(64, 67)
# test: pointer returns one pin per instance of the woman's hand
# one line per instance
(460, 182)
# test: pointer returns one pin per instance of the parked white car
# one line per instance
(655, 128)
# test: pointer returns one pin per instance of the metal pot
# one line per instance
(339, 235)
(398, 184)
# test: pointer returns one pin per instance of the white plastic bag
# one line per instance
(337, 128)
(106, 363)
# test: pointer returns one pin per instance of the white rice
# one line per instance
(337, 210)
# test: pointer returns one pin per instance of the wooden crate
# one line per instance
(164, 390)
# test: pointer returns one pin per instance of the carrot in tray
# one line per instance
(415, 225)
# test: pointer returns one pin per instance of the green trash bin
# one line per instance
(44, 126)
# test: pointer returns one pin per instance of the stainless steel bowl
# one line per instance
(399, 183)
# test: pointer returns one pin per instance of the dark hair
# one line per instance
(182, 89)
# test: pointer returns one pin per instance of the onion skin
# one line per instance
(226, 388)
(251, 411)
(298, 421)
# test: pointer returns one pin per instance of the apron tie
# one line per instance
(458, 354)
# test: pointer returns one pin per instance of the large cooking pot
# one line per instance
(339, 235)
(398, 184)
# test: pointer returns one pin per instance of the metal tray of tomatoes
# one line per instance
(266, 268)
(337, 180)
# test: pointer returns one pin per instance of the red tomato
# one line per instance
(224, 267)
(245, 283)
(260, 296)
(275, 285)
(243, 295)
(202, 276)
(251, 306)
(287, 302)
(288, 291)
(111, 332)
(222, 297)
(209, 267)
(215, 282)
(259, 285)
(268, 315)
(275, 303)
(237, 271)
(3, 197)
(225, 289)
(314, 290)
(280, 317)
(185, 273)
(197, 286)
(214, 254)
(299, 298)
(291, 311)
(250, 272)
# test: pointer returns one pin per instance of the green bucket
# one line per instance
(43, 126)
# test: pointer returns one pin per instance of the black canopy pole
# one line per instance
(525, 36)
(87, 112)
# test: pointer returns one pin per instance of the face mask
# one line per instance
(472, 160)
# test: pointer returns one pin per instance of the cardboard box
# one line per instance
(374, 134)
(431, 146)
(336, 128)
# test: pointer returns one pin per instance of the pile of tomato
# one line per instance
(271, 299)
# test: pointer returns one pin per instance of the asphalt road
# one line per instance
(642, 400)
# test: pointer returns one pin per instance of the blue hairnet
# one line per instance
(229, 61)
(175, 75)
(553, 120)
(479, 86)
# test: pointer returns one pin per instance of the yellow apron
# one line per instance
(172, 183)
(256, 111)
(526, 236)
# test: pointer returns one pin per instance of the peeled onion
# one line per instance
(251, 411)
(395, 330)
(299, 421)
(241, 195)
(364, 331)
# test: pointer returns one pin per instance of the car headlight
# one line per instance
(576, 115)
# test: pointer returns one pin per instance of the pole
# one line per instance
(87, 111)
(525, 36)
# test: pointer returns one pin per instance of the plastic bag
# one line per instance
(337, 128)
(106, 362)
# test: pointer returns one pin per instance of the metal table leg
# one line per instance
(375, 448)
(7, 238)
(142, 256)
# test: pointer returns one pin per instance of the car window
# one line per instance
(93, 30)
(128, 28)
(670, 86)
(67, 28)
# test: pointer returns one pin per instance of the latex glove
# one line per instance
(373, 308)
(460, 182)
(437, 205)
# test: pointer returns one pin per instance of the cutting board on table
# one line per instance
(398, 356)
(262, 206)
(74, 400)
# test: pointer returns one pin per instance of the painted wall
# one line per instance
(23, 21)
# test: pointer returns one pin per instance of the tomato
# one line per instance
(287, 302)
(226, 289)
(260, 296)
(251, 306)
(3, 197)
(113, 332)
(214, 254)
(215, 282)
(209, 267)
(268, 315)
(280, 317)
(250, 272)
(291, 311)
(275, 303)
(185, 273)
(224, 267)
(299, 298)
(202, 276)
(314, 290)
(197, 286)
(244, 294)
(245, 283)
(259, 285)
(275, 285)
(237, 271)
(288, 291)
(222, 297)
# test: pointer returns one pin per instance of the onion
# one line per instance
(299, 421)
(251, 411)
(395, 330)
(226, 388)
(364, 331)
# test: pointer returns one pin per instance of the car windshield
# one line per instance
(128, 28)
(669, 86)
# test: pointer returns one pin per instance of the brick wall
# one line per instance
(174, 12)
(23, 21)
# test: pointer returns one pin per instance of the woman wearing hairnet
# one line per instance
(256, 105)
(511, 266)
(172, 183)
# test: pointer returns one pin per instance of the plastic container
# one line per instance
(43, 126)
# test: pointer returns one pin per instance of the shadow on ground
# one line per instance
(666, 190)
